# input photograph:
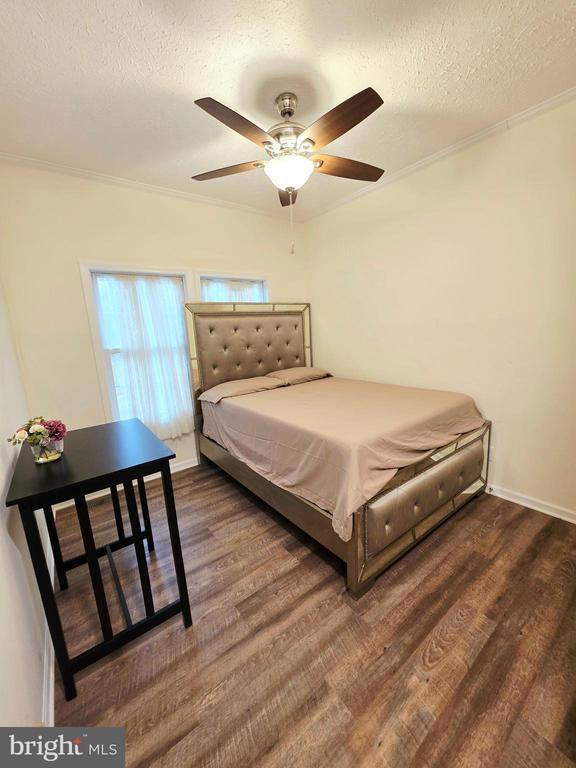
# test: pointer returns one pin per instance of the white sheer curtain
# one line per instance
(143, 333)
(232, 289)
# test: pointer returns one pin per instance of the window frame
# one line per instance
(102, 359)
(199, 274)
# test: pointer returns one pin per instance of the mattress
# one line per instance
(337, 442)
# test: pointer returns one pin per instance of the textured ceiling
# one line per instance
(108, 85)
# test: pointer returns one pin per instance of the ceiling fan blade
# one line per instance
(235, 121)
(228, 171)
(342, 118)
(348, 169)
(285, 197)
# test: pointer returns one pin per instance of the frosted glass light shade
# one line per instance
(289, 171)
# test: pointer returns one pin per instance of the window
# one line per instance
(224, 289)
(143, 337)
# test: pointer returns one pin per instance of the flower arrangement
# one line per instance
(56, 429)
(44, 436)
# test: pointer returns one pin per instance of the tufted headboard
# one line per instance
(238, 341)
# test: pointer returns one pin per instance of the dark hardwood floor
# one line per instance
(463, 654)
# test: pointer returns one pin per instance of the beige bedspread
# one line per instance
(337, 442)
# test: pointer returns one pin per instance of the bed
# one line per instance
(366, 469)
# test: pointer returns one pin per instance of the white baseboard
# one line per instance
(48, 682)
(529, 501)
(176, 466)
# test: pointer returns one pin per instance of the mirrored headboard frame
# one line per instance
(198, 312)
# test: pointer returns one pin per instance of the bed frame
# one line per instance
(236, 341)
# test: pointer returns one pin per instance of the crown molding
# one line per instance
(82, 173)
(503, 125)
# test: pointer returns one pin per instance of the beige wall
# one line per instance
(463, 276)
(21, 617)
(50, 223)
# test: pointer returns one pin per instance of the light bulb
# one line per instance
(289, 171)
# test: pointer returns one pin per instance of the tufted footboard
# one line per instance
(395, 520)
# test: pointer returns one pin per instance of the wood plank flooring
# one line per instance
(463, 654)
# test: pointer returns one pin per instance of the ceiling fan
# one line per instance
(292, 148)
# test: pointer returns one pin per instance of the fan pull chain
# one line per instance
(292, 249)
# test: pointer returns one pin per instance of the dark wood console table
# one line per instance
(97, 458)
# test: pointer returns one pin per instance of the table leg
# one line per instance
(48, 600)
(117, 512)
(176, 545)
(145, 514)
(55, 544)
(139, 547)
(93, 565)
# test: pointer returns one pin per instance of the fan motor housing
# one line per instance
(286, 133)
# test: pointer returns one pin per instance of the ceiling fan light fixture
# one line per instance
(289, 171)
(293, 148)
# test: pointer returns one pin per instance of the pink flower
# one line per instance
(56, 429)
